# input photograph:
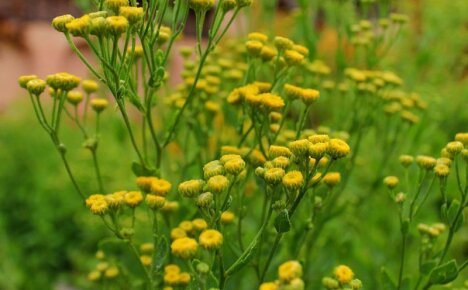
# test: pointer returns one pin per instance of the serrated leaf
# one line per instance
(282, 222)
(444, 273)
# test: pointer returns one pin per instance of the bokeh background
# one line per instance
(47, 240)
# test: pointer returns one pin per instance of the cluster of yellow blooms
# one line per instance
(343, 278)
(289, 274)
(173, 276)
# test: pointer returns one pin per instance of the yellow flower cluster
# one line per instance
(173, 276)
(290, 277)
(343, 278)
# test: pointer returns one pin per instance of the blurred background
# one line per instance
(47, 240)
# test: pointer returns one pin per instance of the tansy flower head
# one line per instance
(160, 187)
(332, 178)
(338, 148)
(210, 239)
(254, 47)
(63, 81)
(116, 25)
(317, 150)
(78, 26)
(258, 37)
(299, 148)
(98, 26)
(146, 260)
(293, 57)
(293, 180)
(74, 97)
(289, 271)
(111, 272)
(281, 162)
(268, 53)
(205, 200)
(227, 217)
(184, 248)
(114, 5)
(144, 182)
(406, 160)
(191, 188)
(271, 101)
(453, 147)
(426, 162)
(229, 5)
(133, 14)
(391, 181)
(309, 96)
(441, 170)
(178, 233)
(319, 138)
(115, 199)
(186, 226)
(94, 276)
(199, 224)
(283, 43)
(37, 87)
(343, 274)
(184, 278)
(146, 248)
(155, 201)
(60, 22)
(133, 198)
(172, 268)
(170, 206)
(213, 168)
(462, 137)
(99, 104)
(202, 5)
(273, 176)
(234, 166)
(23, 80)
(269, 286)
(218, 183)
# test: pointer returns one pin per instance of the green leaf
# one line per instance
(160, 254)
(426, 267)
(459, 223)
(444, 273)
(387, 282)
(282, 222)
(141, 170)
(452, 211)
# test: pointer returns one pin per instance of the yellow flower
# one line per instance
(293, 57)
(234, 166)
(391, 181)
(116, 25)
(293, 179)
(273, 175)
(191, 188)
(210, 239)
(318, 150)
(172, 268)
(343, 274)
(155, 201)
(268, 53)
(115, 199)
(60, 22)
(289, 271)
(184, 248)
(283, 43)
(160, 187)
(299, 148)
(258, 36)
(133, 198)
(144, 183)
(99, 207)
(271, 101)
(24, 80)
(426, 162)
(227, 217)
(184, 278)
(74, 97)
(133, 14)
(114, 5)
(89, 86)
(441, 170)
(281, 162)
(171, 278)
(63, 81)
(177, 233)
(213, 168)
(218, 183)
(99, 104)
(269, 286)
(36, 86)
(199, 224)
(406, 160)
(332, 178)
(201, 4)
(112, 272)
(301, 49)
(453, 147)
(254, 47)
(462, 137)
(186, 226)
(309, 96)
(338, 148)
(146, 260)
(78, 26)
(276, 151)
(146, 248)
(94, 276)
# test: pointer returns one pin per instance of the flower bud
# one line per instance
(155, 202)
(191, 188)
(391, 181)
(274, 176)
(36, 86)
(74, 97)
(99, 104)
(205, 200)
(60, 22)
